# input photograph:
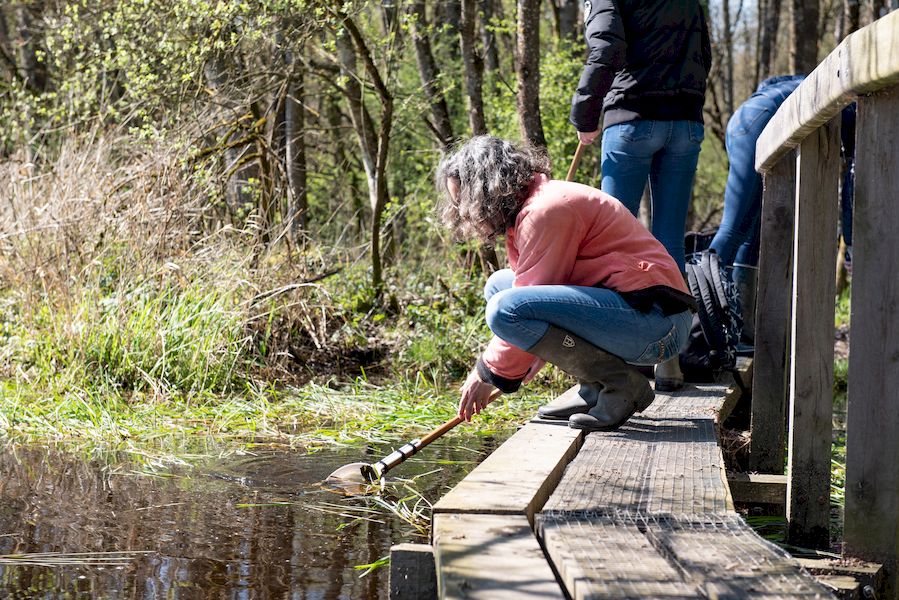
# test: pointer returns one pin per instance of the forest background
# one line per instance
(216, 216)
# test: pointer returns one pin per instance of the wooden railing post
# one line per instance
(872, 452)
(811, 341)
(772, 321)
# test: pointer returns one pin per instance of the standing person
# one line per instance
(588, 288)
(737, 239)
(646, 73)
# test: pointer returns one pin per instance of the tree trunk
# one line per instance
(728, 70)
(488, 37)
(33, 70)
(8, 66)
(474, 68)
(565, 15)
(237, 195)
(295, 152)
(528, 70)
(851, 17)
(505, 38)
(374, 146)
(429, 74)
(770, 20)
(804, 50)
(450, 15)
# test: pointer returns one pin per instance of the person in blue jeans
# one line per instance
(737, 239)
(646, 75)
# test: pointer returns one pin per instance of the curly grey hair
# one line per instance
(493, 176)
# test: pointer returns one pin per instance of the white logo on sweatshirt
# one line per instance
(568, 342)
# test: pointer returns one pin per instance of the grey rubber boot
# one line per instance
(668, 375)
(744, 279)
(615, 389)
(577, 399)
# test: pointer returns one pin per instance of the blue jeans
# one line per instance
(521, 316)
(737, 240)
(665, 152)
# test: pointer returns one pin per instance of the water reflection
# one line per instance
(239, 527)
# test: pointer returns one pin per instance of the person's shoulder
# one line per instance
(559, 199)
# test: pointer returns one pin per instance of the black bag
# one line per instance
(712, 345)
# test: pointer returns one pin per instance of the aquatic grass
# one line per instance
(310, 416)
(72, 559)
(384, 561)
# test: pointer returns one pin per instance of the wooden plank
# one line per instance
(729, 560)
(871, 529)
(413, 575)
(491, 557)
(866, 61)
(758, 488)
(811, 373)
(649, 466)
(772, 319)
(862, 574)
(598, 558)
(701, 400)
(714, 556)
(518, 477)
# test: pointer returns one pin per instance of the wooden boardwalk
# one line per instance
(642, 512)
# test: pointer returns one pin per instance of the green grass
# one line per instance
(306, 416)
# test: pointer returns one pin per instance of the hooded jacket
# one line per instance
(648, 59)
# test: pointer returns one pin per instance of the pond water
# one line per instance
(247, 525)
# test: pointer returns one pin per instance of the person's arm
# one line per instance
(604, 30)
(547, 245)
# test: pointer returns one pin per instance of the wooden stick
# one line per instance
(575, 162)
(449, 425)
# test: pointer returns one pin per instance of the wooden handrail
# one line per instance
(866, 61)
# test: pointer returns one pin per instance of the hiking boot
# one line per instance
(577, 399)
(616, 389)
(668, 375)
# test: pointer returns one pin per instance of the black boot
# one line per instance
(615, 389)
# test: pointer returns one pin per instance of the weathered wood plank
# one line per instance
(413, 575)
(848, 578)
(615, 556)
(491, 557)
(864, 62)
(728, 560)
(872, 452)
(598, 558)
(701, 400)
(811, 372)
(758, 488)
(772, 319)
(519, 476)
(648, 466)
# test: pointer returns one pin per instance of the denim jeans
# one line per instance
(665, 152)
(521, 316)
(737, 240)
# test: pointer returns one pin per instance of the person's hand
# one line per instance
(533, 369)
(587, 137)
(476, 394)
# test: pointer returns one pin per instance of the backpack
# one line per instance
(715, 332)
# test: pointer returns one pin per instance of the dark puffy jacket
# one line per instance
(649, 59)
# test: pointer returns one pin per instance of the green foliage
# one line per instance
(146, 280)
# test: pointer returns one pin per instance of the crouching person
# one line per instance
(588, 288)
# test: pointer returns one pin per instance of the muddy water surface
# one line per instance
(255, 525)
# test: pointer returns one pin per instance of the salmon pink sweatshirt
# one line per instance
(572, 234)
